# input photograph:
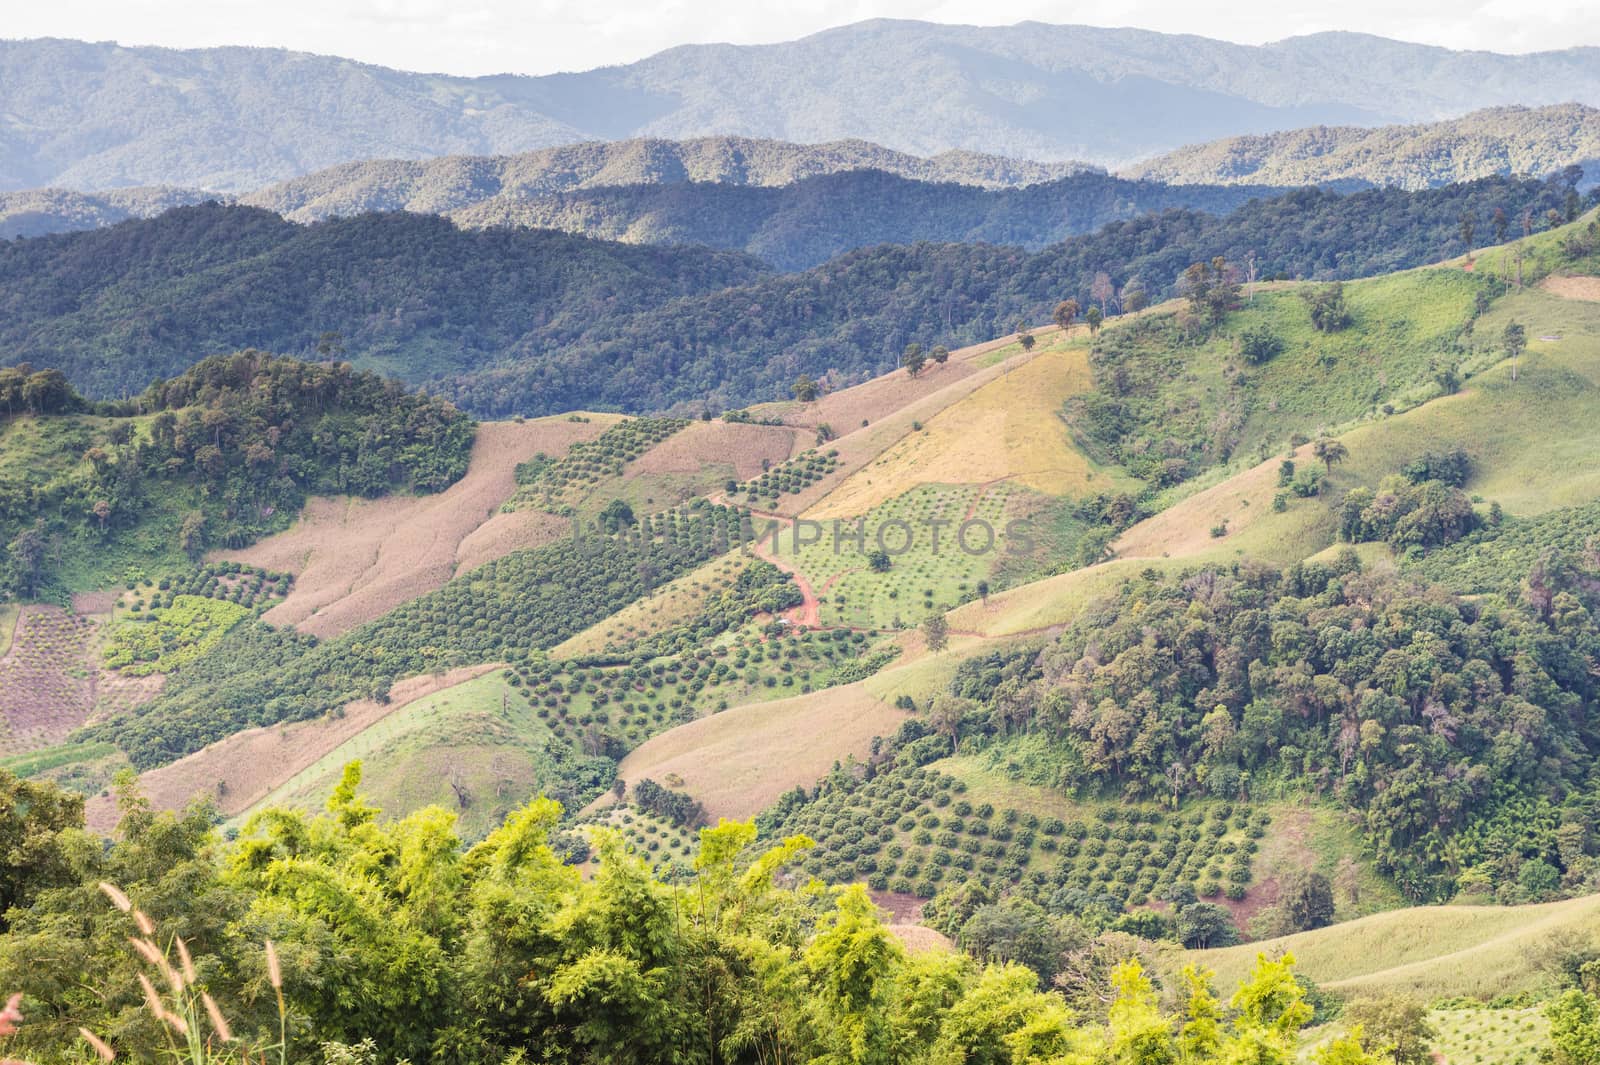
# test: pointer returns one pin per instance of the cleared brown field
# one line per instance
(356, 559)
(738, 762)
(744, 447)
(1573, 288)
(238, 771)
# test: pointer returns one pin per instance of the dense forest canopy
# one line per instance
(523, 321)
(1462, 731)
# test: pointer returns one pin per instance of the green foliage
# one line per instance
(171, 636)
(529, 599)
(793, 476)
(527, 321)
(383, 939)
(1411, 707)
(217, 456)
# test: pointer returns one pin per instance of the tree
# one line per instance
(1574, 1029)
(1330, 451)
(1065, 314)
(804, 389)
(1399, 1026)
(1467, 228)
(1025, 338)
(616, 516)
(1134, 296)
(1306, 899)
(1328, 311)
(1502, 225)
(940, 354)
(1203, 925)
(1211, 289)
(1094, 317)
(1514, 340)
(26, 555)
(913, 359)
(1102, 290)
(936, 632)
(983, 591)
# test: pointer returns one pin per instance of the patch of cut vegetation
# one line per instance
(1009, 429)
(46, 679)
(355, 559)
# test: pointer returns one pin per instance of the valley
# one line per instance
(463, 609)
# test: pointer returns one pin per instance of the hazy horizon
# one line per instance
(487, 37)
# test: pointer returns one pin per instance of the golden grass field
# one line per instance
(1009, 429)
(738, 762)
(1427, 952)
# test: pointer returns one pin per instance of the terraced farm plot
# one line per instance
(46, 679)
(638, 698)
(557, 484)
(670, 605)
(669, 849)
(475, 748)
(1479, 1035)
(940, 541)
(912, 831)
(794, 476)
(179, 631)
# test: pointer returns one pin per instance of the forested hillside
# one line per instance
(1500, 141)
(802, 225)
(217, 456)
(508, 321)
(454, 183)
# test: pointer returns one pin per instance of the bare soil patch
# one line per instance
(238, 771)
(745, 447)
(1573, 288)
(356, 559)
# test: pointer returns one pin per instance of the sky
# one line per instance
(543, 36)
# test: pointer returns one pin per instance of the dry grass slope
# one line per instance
(1426, 952)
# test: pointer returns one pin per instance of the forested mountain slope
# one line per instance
(1498, 141)
(510, 321)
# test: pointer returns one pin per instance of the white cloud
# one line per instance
(538, 36)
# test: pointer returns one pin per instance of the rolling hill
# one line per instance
(1535, 141)
(510, 321)
(96, 116)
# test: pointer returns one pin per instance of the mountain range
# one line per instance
(92, 116)
(1500, 140)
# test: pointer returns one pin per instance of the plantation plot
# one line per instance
(912, 831)
(937, 543)
(475, 748)
(46, 679)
